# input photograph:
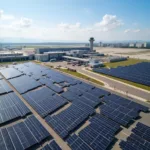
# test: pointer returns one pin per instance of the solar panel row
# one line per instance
(49, 83)
(57, 75)
(139, 139)
(76, 143)
(121, 109)
(11, 107)
(67, 120)
(142, 130)
(134, 142)
(31, 69)
(97, 135)
(24, 83)
(51, 146)
(73, 97)
(44, 101)
(120, 114)
(138, 73)
(115, 99)
(4, 87)
(10, 73)
(22, 135)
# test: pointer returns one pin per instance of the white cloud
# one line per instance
(22, 23)
(109, 22)
(68, 27)
(136, 30)
(4, 16)
(127, 30)
(1, 13)
(27, 29)
(132, 30)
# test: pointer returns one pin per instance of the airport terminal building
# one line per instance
(43, 50)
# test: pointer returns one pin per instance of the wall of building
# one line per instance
(42, 57)
(42, 50)
(12, 58)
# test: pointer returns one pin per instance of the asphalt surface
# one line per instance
(115, 85)
(119, 86)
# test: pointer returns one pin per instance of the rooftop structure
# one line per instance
(76, 58)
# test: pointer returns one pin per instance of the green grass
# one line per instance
(128, 62)
(79, 75)
(128, 82)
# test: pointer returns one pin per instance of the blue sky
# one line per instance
(74, 20)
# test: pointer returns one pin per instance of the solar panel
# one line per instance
(44, 101)
(97, 135)
(21, 135)
(31, 69)
(135, 142)
(24, 84)
(76, 143)
(51, 146)
(138, 73)
(11, 107)
(64, 84)
(49, 83)
(9, 73)
(118, 100)
(119, 114)
(142, 130)
(67, 120)
(4, 87)
(73, 97)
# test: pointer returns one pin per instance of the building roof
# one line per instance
(76, 58)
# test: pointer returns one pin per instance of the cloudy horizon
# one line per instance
(76, 23)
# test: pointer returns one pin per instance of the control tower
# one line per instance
(91, 43)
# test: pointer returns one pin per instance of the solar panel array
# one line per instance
(139, 139)
(47, 91)
(121, 109)
(49, 83)
(97, 135)
(67, 120)
(31, 69)
(23, 135)
(10, 73)
(51, 146)
(11, 107)
(138, 73)
(24, 83)
(142, 130)
(44, 100)
(4, 87)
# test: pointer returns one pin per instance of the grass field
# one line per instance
(79, 75)
(128, 82)
(128, 62)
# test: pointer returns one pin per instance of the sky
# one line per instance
(74, 20)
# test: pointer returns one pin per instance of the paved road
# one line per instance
(115, 85)
(119, 86)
